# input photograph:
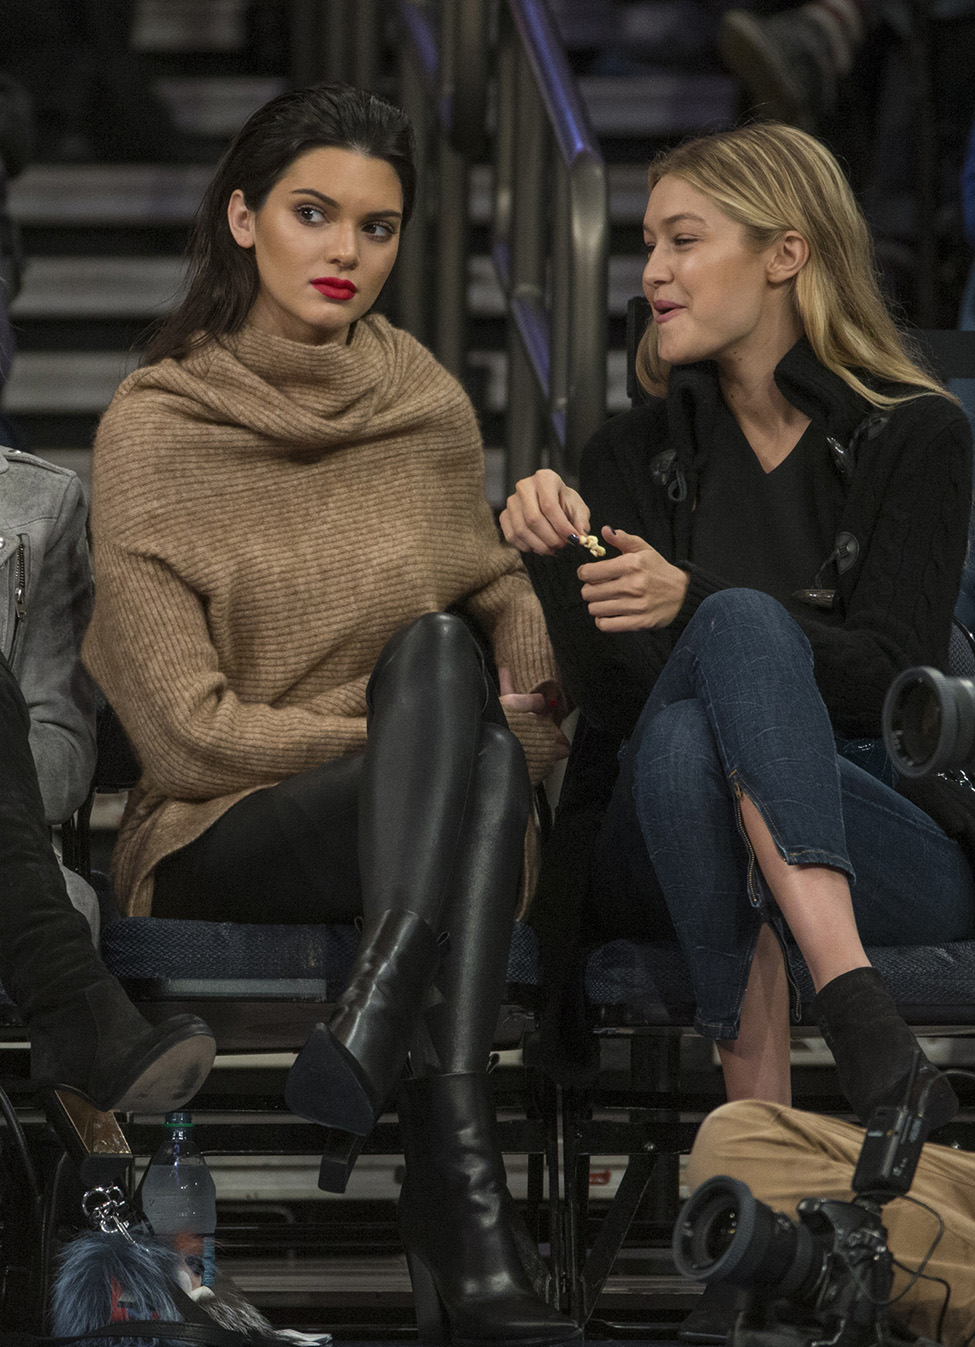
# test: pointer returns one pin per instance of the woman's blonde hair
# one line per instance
(770, 178)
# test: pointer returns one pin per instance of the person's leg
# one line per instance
(429, 696)
(85, 1033)
(756, 1064)
(457, 1219)
(747, 669)
(785, 1155)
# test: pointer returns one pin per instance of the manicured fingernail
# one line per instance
(573, 537)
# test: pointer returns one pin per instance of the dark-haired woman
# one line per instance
(786, 530)
(288, 499)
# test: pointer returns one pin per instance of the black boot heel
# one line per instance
(339, 1154)
(345, 1072)
(326, 1086)
(432, 1324)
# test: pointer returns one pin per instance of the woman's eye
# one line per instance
(682, 239)
(379, 229)
(310, 214)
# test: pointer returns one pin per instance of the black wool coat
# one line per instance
(895, 572)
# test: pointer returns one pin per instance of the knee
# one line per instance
(442, 638)
(741, 605)
(729, 1133)
(732, 620)
(430, 654)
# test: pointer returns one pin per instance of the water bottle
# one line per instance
(179, 1198)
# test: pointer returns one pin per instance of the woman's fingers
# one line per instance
(542, 512)
(634, 591)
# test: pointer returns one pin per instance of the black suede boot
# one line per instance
(469, 1283)
(85, 1033)
(348, 1067)
(97, 1044)
(875, 1051)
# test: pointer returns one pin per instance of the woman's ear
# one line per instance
(240, 217)
(788, 257)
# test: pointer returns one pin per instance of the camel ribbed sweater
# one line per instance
(265, 515)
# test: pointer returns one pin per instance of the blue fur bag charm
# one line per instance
(104, 1279)
(108, 1276)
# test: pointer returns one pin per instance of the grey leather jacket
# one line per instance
(45, 605)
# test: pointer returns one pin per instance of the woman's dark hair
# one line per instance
(222, 279)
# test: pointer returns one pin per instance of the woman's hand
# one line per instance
(547, 702)
(543, 513)
(634, 591)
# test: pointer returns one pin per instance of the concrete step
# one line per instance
(73, 288)
(147, 195)
(82, 382)
(77, 288)
(188, 25)
(216, 106)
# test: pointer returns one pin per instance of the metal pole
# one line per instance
(528, 225)
(411, 265)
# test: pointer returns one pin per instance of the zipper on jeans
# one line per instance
(754, 890)
(754, 897)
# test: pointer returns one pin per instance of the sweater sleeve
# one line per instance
(200, 738)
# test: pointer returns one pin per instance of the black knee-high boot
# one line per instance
(875, 1051)
(85, 1033)
(428, 697)
(469, 1283)
(458, 1222)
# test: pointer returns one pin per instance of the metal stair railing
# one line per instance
(550, 246)
(550, 225)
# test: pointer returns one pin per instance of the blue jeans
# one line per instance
(737, 711)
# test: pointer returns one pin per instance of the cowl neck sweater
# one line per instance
(265, 515)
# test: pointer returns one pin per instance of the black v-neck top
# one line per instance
(766, 530)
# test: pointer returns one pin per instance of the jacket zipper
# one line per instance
(20, 599)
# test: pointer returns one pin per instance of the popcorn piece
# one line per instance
(592, 544)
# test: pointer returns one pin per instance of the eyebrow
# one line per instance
(683, 215)
(330, 201)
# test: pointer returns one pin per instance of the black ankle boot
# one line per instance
(875, 1050)
(346, 1070)
(469, 1283)
(98, 1045)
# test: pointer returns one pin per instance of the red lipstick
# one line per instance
(334, 287)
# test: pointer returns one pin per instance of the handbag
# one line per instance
(117, 1283)
(949, 799)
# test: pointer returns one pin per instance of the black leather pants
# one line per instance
(430, 818)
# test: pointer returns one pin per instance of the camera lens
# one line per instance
(724, 1233)
(929, 722)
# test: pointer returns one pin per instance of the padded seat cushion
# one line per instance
(162, 949)
(633, 982)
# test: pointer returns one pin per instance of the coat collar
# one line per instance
(694, 400)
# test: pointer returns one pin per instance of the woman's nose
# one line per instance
(655, 271)
(344, 244)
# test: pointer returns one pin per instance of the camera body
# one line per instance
(824, 1281)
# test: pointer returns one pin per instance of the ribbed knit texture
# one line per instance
(265, 515)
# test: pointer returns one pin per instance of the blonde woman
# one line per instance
(785, 531)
